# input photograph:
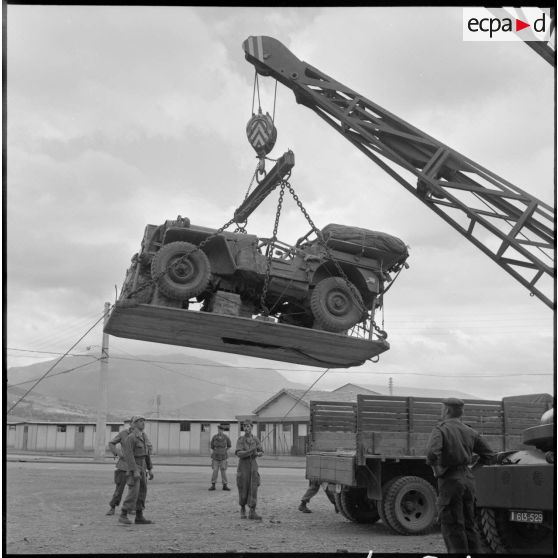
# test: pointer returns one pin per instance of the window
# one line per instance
(184, 427)
(286, 427)
(303, 430)
(262, 427)
(61, 428)
(114, 427)
(11, 427)
(205, 427)
(81, 428)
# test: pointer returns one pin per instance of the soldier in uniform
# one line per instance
(220, 444)
(136, 453)
(450, 452)
(248, 447)
(121, 467)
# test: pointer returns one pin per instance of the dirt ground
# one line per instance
(54, 508)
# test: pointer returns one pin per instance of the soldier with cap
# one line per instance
(450, 452)
(248, 447)
(120, 473)
(135, 448)
(220, 445)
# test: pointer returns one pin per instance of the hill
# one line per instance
(169, 385)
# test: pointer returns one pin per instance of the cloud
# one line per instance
(120, 116)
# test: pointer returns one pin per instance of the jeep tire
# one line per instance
(333, 304)
(182, 277)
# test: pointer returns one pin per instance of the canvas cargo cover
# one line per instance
(390, 249)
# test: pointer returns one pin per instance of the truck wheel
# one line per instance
(333, 305)
(185, 277)
(410, 505)
(506, 537)
(339, 505)
(356, 507)
(380, 504)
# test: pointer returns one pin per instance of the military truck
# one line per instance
(516, 496)
(370, 454)
(328, 285)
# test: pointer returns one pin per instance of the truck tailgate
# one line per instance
(334, 467)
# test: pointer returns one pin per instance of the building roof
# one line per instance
(348, 392)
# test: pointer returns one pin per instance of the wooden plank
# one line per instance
(238, 335)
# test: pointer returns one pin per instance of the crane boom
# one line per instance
(514, 228)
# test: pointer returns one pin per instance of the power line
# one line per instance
(52, 367)
(57, 373)
(306, 370)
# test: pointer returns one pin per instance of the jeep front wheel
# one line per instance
(181, 270)
(333, 304)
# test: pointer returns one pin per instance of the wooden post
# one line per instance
(102, 408)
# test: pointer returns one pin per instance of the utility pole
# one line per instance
(102, 408)
(391, 386)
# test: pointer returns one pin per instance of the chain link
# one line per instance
(356, 295)
(269, 252)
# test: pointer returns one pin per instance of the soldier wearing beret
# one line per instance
(136, 453)
(450, 453)
(248, 447)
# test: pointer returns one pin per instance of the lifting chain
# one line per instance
(269, 251)
(318, 232)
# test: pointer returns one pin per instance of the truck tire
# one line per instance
(185, 277)
(506, 537)
(380, 504)
(354, 505)
(333, 305)
(339, 505)
(410, 505)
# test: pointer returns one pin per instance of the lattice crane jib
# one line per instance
(511, 226)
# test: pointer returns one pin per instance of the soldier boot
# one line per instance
(141, 519)
(304, 508)
(124, 518)
(254, 515)
(242, 512)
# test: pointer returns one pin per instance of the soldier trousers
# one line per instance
(247, 482)
(120, 482)
(219, 465)
(313, 489)
(456, 503)
(135, 499)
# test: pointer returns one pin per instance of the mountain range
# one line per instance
(168, 386)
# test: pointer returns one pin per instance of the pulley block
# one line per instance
(262, 133)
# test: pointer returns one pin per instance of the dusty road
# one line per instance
(60, 508)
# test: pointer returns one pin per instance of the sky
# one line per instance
(122, 116)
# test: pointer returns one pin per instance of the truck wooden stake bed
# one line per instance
(371, 453)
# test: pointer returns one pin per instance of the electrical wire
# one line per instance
(53, 366)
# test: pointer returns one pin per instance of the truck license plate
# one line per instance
(526, 516)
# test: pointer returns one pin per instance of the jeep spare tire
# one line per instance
(181, 270)
(333, 304)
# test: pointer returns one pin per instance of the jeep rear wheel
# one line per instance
(181, 270)
(333, 304)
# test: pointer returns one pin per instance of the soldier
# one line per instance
(136, 453)
(311, 491)
(121, 467)
(120, 473)
(248, 447)
(220, 444)
(450, 452)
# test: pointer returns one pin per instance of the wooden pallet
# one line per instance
(243, 336)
